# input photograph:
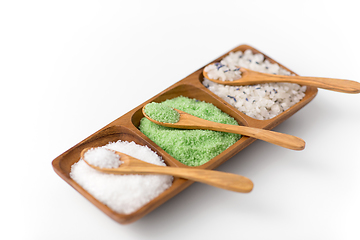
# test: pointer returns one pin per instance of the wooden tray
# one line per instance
(125, 128)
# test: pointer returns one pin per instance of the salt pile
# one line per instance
(192, 147)
(161, 113)
(102, 157)
(261, 101)
(123, 193)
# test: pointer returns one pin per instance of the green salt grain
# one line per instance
(161, 112)
(191, 147)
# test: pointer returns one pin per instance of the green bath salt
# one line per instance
(191, 147)
(161, 112)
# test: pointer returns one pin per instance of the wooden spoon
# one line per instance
(249, 77)
(131, 165)
(188, 121)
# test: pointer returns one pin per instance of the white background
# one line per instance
(68, 68)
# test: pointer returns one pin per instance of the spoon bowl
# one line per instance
(249, 77)
(188, 121)
(131, 165)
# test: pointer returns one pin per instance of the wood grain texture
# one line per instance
(131, 165)
(249, 77)
(125, 128)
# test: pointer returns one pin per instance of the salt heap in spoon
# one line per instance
(102, 158)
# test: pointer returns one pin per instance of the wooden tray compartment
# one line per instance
(270, 123)
(125, 128)
(191, 91)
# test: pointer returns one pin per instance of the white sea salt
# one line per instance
(261, 101)
(123, 193)
(102, 157)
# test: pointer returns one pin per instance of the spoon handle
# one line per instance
(338, 85)
(228, 181)
(280, 139)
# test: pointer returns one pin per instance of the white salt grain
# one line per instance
(261, 101)
(102, 157)
(123, 193)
